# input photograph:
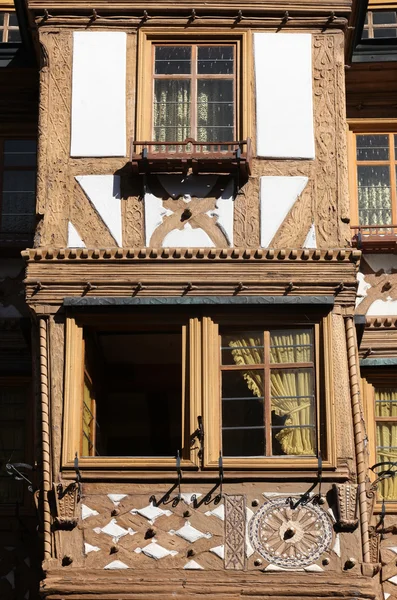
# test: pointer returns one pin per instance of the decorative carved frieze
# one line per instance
(346, 502)
(235, 527)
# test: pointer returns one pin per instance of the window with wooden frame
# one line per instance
(9, 28)
(17, 186)
(373, 170)
(381, 24)
(380, 393)
(198, 88)
(143, 388)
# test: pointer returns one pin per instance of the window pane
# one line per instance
(293, 412)
(215, 110)
(384, 18)
(137, 384)
(372, 147)
(364, 35)
(215, 60)
(374, 195)
(20, 153)
(292, 346)
(245, 348)
(386, 437)
(171, 111)
(243, 413)
(215, 134)
(172, 60)
(13, 21)
(385, 32)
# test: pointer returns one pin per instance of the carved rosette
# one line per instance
(346, 501)
(290, 537)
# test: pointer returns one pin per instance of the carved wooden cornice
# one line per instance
(56, 274)
(389, 322)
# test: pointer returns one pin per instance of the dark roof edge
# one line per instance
(356, 22)
(25, 29)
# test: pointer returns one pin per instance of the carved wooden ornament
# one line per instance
(346, 501)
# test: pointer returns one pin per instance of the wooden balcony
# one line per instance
(375, 238)
(197, 157)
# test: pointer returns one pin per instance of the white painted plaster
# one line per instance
(383, 308)
(116, 564)
(284, 95)
(154, 214)
(224, 210)
(10, 578)
(331, 514)
(190, 533)
(392, 548)
(314, 569)
(151, 512)
(154, 550)
(74, 239)
(89, 548)
(187, 238)
(336, 547)
(218, 512)
(377, 262)
(198, 186)
(311, 238)
(363, 287)
(193, 565)
(103, 191)
(277, 196)
(99, 93)
(86, 512)
(116, 498)
(271, 567)
(249, 550)
(393, 579)
(189, 498)
(114, 530)
(219, 551)
(386, 595)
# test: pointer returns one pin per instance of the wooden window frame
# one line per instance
(370, 27)
(201, 397)
(6, 28)
(243, 68)
(370, 127)
(371, 379)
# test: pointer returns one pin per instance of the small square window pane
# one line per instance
(243, 348)
(20, 153)
(13, 21)
(384, 17)
(291, 346)
(385, 33)
(372, 147)
(243, 442)
(1, 19)
(173, 60)
(215, 60)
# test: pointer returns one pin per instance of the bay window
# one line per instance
(144, 387)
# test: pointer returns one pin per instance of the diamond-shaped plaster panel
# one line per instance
(115, 531)
(151, 512)
(154, 550)
(190, 534)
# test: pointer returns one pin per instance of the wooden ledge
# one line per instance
(211, 254)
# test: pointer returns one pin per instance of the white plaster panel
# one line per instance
(377, 262)
(284, 95)
(311, 238)
(193, 566)
(154, 214)
(86, 512)
(383, 308)
(74, 239)
(224, 210)
(277, 196)
(198, 186)
(363, 287)
(103, 191)
(188, 238)
(99, 93)
(116, 564)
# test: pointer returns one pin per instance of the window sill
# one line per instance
(207, 157)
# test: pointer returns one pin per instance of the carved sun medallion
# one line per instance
(290, 538)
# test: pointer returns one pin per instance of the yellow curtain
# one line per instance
(88, 448)
(386, 437)
(291, 347)
(294, 347)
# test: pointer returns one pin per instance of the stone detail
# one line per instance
(114, 530)
(151, 512)
(346, 500)
(155, 550)
(235, 532)
(290, 537)
(189, 533)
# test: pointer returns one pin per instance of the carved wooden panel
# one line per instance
(235, 527)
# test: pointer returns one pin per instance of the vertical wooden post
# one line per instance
(45, 432)
(358, 436)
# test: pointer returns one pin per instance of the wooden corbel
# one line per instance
(346, 503)
(66, 501)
